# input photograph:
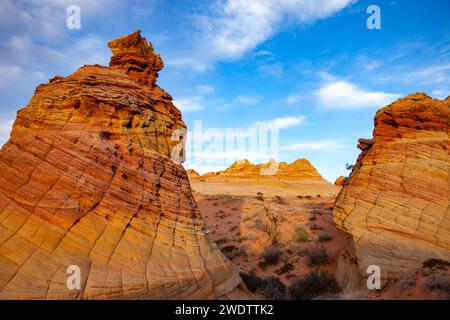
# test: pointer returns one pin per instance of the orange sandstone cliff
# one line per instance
(87, 180)
(396, 203)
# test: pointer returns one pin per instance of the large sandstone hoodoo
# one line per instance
(87, 181)
(396, 203)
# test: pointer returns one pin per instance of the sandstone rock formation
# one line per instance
(340, 181)
(87, 180)
(300, 169)
(396, 204)
(192, 173)
(271, 178)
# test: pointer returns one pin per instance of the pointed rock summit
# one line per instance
(88, 191)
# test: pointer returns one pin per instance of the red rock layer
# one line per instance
(87, 179)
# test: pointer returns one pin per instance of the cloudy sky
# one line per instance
(310, 69)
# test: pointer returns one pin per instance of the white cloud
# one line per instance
(292, 99)
(5, 129)
(241, 100)
(229, 29)
(205, 89)
(189, 104)
(275, 69)
(346, 95)
(325, 145)
(279, 123)
(247, 100)
(441, 94)
(263, 53)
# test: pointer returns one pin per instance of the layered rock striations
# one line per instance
(87, 181)
(244, 178)
(300, 169)
(396, 203)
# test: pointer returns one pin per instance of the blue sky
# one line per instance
(311, 69)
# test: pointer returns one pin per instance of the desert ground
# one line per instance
(307, 241)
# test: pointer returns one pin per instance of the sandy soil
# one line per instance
(268, 187)
(232, 222)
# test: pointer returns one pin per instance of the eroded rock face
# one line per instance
(300, 169)
(244, 178)
(87, 180)
(396, 201)
(340, 181)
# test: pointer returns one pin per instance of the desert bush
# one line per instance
(313, 284)
(271, 255)
(272, 288)
(316, 256)
(260, 196)
(229, 249)
(324, 236)
(314, 226)
(440, 264)
(319, 196)
(301, 234)
(251, 280)
(308, 197)
(287, 267)
(408, 280)
(312, 218)
(250, 236)
(300, 197)
(279, 200)
(221, 240)
(271, 226)
(439, 280)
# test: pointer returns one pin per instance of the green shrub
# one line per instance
(301, 234)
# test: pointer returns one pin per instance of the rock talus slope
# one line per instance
(396, 203)
(87, 180)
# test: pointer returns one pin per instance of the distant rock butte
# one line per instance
(300, 169)
(87, 180)
(192, 173)
(396, 203)
(244, 178)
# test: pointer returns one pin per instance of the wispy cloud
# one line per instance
(279, 123)
(324, 145)
(189, 103)
(346, 95)
(229, 29)
(241, 100)
(205, 89)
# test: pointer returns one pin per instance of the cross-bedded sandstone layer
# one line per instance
(396, 203)
(87, 180)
